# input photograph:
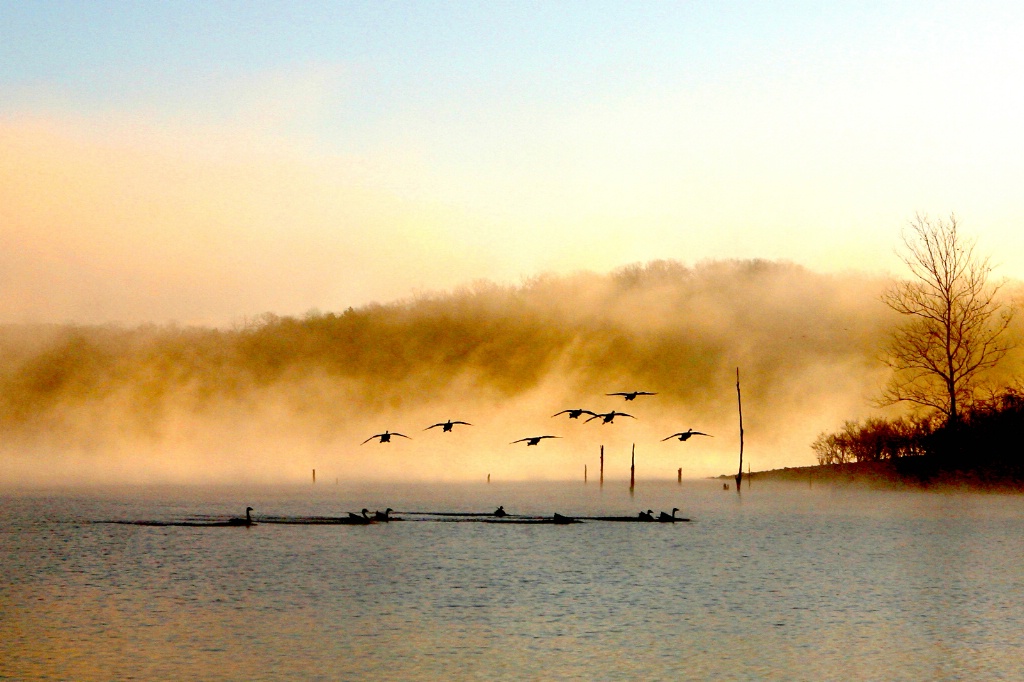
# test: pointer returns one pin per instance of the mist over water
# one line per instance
(272, 398)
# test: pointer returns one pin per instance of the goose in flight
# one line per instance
(574, 414)
(446, 426)
(631, 395)
(609, 417)
(384, 437)
(685, 435)
(532, 440)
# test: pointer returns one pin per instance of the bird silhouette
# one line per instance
(383, 515)
(532, 440)
(500, 512)
(685, 435)
(609, 417)
(247, 521)
(665, 517)
(384, 437)
(446, 426)
(631, 395)
(574, 414)
(361, 517)
(646, 515)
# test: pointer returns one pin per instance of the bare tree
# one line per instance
(955, 327)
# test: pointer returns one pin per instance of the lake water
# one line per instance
(781, 583)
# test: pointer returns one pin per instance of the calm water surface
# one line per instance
(779, 584)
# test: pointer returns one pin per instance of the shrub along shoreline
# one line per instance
(982, 450)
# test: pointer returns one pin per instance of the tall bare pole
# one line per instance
(632, 469)
(739, 403)
(602, 465)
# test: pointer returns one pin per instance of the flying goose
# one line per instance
(384, 437)
(446, 426)
(631, 395)
(609, 417)
(574, 414)
(685, 435)
(532, 440)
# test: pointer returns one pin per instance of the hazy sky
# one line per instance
(205, 161)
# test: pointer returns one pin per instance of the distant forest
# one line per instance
(804, 340)
(662, 325)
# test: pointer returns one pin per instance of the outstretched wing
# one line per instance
(645, 393)
(378, 435)
(519, 441)
(701, 433)
(433, 426)
(618, 393)
(674, 435)
(623, 414)
(562, 412)
(466, 423)
(594, 417)
(395, 433)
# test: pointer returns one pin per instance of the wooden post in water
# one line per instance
(602, 465)
(488, 478)
(314, 476)
(739, 403)
(632, 469)
(584, 473)
(679, 475)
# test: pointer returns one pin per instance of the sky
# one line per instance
(204, 162)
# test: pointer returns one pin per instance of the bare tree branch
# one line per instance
(956, 327)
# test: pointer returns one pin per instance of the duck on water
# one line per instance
(360, 518)
(247, 521)
(665, 518)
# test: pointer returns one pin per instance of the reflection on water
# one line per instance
(781, 583)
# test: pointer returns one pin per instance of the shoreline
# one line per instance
(913, 473)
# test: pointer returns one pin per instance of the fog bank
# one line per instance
(277, 396)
